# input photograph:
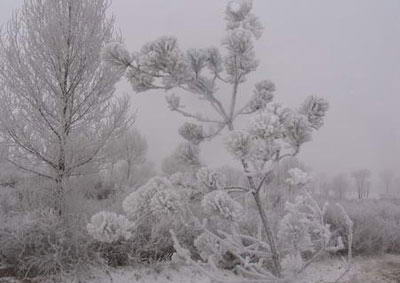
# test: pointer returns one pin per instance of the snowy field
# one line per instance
(385, 269)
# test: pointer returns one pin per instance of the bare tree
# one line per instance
(361, 179)
(387, 177)
(58, 107)
(339, 186)
(131, 149)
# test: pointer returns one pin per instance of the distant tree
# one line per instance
(339, 186)
(396, 186)
(387, 178)
(361, 179)
(321, 184)
(130, 149)
(58, 109)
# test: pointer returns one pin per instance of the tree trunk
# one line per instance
(59, 204)
(270, 235)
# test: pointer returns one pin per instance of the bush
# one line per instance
(376, 225)
(42, 244)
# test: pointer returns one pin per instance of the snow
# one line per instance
(382, 269)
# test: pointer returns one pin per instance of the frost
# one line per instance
(263, 94)
(239, 144)
(241, 56)
(314, 108)
(297, 128)
(109, 227)
(166, 202)
(173, 102)
(292, 263)
(238, 15)
(192, 132)
(210, 247)
(265, 126)
(211, 179)
(115, 54)
(138, 203)
(297, 177)
(219, 202)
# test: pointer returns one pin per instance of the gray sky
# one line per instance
(345, 50)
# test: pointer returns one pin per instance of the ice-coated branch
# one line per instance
(162, 65)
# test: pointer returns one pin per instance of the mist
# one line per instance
(344, 51)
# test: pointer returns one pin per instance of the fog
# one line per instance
(346, 51)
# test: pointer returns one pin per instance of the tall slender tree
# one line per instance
(58, 108)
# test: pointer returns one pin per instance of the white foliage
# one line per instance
(209, 246)
(314, 108)
(116, 54)
(304, 227)
(241, 58)
(265, 126)
(292, 263)
(192, 132)
(219, 202)
(239, 144)
(298, 177)
(297, 128)
(173, 101)
(138, 203)
(238, 15)
(109, 227)
(263, 94)
(166, 202)
(210, 178)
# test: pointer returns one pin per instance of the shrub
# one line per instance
(42, 244)
(109, 227)
(376, 225)
(152, 210)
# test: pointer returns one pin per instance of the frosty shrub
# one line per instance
(138, 203)
(152, 210)
(166, 202)
(43, 245)
(376, 225)
(109, 227)
(303, 235)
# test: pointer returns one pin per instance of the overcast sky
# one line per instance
(347, 51)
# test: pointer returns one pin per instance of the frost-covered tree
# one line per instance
(275, 132)
(339, 185)
(387, 177)
(163, 65)
(128, 151)
(361, 180)
(58, 107)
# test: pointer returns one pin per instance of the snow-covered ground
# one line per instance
(383, 269)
